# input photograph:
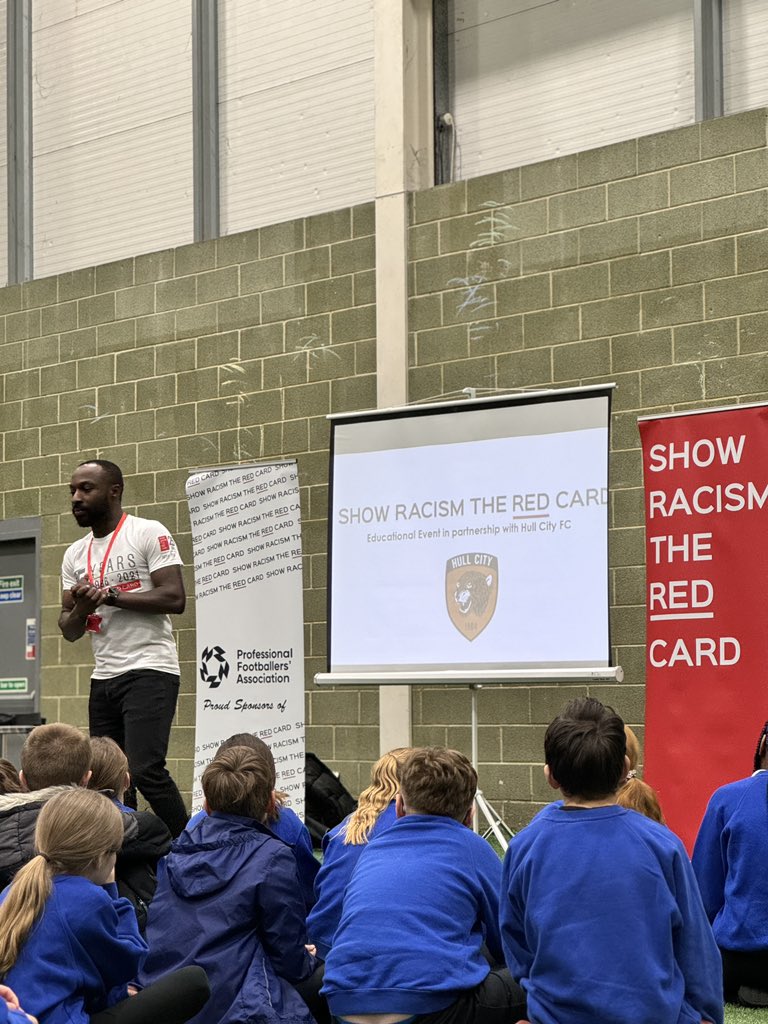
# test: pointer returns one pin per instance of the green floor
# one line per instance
(739, 1015)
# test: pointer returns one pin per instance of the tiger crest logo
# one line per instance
(471, 589)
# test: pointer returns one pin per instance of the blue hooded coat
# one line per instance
(228, 899)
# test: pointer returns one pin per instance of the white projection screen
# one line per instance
(470, 537)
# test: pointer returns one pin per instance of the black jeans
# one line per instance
(750, 969)
(496, 1000)
(136, 710)
(174, 999)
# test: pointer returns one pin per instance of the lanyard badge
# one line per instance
(94, 623)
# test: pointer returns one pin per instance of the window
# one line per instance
(296, 109)
(112, 115)
(535, 79)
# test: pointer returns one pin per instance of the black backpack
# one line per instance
(328, 801)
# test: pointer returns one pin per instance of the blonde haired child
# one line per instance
(70, 943)
(343, 845)
(633, 793)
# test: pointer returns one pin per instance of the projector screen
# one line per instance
(470, 536)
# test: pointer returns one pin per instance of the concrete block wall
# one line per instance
(643, 263)
(231, 350)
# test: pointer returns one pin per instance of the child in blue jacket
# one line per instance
(729, 859)
(345, 842)
(70, 943)
(421, 911)
(281, 820)
(228, 899)
(601, 917)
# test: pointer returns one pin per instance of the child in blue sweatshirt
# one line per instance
(601, 917)
(228, 900)
(70, 943)
(419, 908)
(345, 842)
(729, 859)
(281, 820)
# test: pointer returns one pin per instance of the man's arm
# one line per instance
(76, 605)
(167, 596)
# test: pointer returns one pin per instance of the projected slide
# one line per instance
(475, 538)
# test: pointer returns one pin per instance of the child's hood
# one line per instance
(12, 801)
(205, 860)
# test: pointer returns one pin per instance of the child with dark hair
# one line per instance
(281, 820)
(601, 917)
(345, 842)
(729, 858)
(419, 908)
(228, 899)
(145, 837)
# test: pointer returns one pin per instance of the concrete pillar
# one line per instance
(404, 162)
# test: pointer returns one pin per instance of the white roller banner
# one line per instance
(246, 535)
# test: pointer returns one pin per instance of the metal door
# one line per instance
(20, 617)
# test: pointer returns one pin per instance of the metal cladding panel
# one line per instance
(745, 54)
(296, 109)
(112, 99)
(536, 79)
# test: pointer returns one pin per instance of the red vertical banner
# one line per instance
(706, 517)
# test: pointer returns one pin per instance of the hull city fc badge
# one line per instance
(471, 589)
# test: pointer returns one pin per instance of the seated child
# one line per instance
(633, 793)
(343, 845)
(70, 943)
(146, 837)
(228, 899)
(281, 820)
(601, 917)
(421, 904)
(729, 859)
(54, 757)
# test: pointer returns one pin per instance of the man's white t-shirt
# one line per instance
(127, 639)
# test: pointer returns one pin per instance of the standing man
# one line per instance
(121, 583)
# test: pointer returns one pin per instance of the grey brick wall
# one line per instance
(643, 263)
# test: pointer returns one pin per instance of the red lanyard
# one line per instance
(105, 559)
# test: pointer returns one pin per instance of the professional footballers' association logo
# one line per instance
(214, 667)
(471, 588)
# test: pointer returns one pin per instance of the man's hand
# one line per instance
(87, 598)
(77, 604)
